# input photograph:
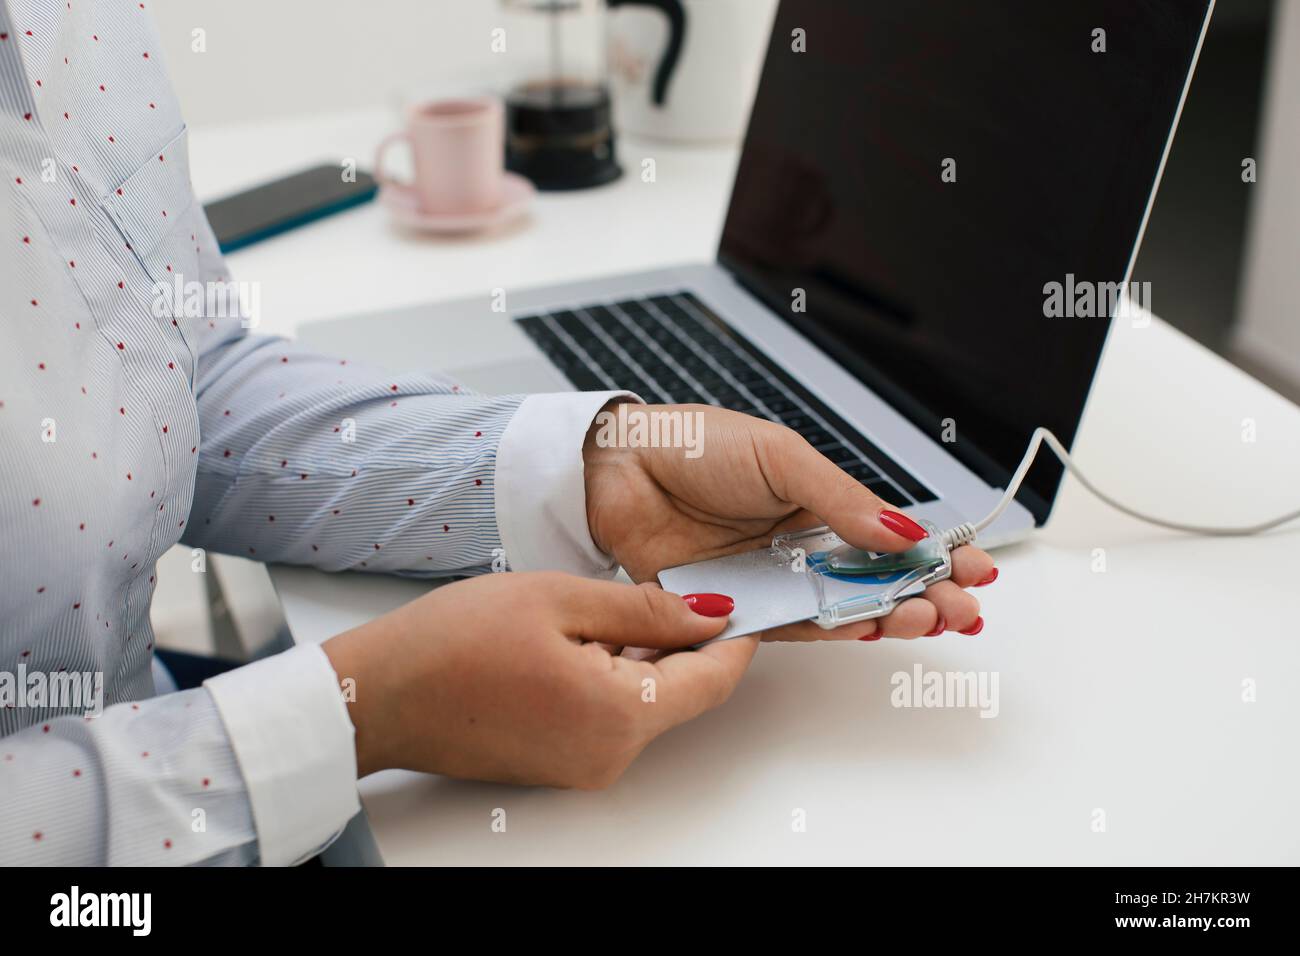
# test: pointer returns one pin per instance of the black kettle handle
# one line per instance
(676, 15)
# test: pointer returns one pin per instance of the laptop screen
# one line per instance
(916, 177)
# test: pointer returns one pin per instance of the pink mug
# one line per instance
(458, 153)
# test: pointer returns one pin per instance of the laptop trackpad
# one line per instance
(512, 377)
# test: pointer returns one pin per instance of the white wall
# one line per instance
(1269, 326)
(269, 58)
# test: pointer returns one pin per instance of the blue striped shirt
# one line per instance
(131, 420)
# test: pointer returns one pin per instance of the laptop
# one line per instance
(911, 183)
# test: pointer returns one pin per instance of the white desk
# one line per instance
(1119, 690)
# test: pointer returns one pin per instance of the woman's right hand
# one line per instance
(518, 678)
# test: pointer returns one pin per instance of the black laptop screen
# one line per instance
(922, 170)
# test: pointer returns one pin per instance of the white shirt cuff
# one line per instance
(541, 498)
(291, 734)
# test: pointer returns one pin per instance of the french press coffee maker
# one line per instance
(559, 129)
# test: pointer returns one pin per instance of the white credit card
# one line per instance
(792, 581)
(768, 592)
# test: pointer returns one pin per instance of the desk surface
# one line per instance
(1120, 650)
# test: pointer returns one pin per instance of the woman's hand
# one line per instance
(655, 508)
(517, 678)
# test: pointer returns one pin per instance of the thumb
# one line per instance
(803, 476)
(642, 615)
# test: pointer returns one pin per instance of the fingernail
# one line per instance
(974, 628)
(938, 628)
(710, 605)
(993, 576)
(902, 524)
(874, 636)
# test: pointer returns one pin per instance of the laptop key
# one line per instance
(885, 491)
(840, 454)
(584, 379)
(818, 436)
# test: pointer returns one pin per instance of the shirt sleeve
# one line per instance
(316, 460)
(150, 783)
(541, 503)
(201, 776)
(291, 734)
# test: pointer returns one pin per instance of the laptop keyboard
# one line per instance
(673, 349)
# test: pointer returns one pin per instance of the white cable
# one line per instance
(965, 533)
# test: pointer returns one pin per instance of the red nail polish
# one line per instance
(710, 605)
(993, 576)
(873, 636)
(938, 628)
(903, 525)
(974, 628)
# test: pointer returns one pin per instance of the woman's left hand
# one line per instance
(655, 508)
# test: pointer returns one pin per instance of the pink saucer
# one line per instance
(516, 197)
